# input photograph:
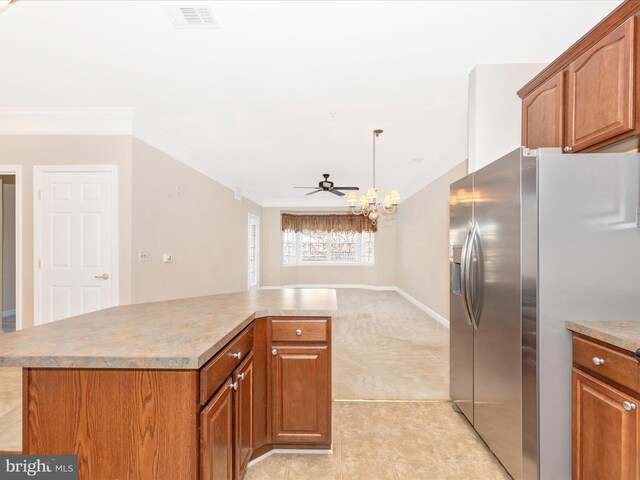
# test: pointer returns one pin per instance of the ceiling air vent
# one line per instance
(192, 16)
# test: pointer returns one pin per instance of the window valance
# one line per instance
(326, 223)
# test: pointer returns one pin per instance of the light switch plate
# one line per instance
(144, 256)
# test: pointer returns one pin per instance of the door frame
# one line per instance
(253, 219)
(16, 170)
(38, 170)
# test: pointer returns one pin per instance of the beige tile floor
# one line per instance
(391, 440)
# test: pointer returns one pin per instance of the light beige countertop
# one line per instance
(175, 334)
(624, 334)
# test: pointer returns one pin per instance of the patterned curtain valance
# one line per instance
(326, 223)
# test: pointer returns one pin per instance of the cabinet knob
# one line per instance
(274, 351)
(234, 386)
(241, 376)
(567, 149)
(628, 406)
(298, 332)
(598, 361)
(237, 355)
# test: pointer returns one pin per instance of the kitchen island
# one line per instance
(190, 388)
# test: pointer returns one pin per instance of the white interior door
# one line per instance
(76, 241)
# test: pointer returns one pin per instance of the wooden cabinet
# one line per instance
(244, 413)
(605, 430)
(542, 115)
(606, 402)
(216, 436)
(600, 87)
(301, 395)
(586, 99)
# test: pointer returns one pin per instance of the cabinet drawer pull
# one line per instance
(598, 361)
(567, 149)
(237, 355)
(241, 376)
(628, 406)
(298, 332)
(234, 386)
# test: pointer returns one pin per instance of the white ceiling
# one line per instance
(286, 91)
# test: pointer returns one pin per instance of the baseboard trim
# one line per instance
(289, 451)
(8, 313)
(432, 313)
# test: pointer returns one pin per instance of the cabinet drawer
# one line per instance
(292, 330)
(220, 367)
(617, 367)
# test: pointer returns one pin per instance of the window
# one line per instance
(254, 251)
(317, 248)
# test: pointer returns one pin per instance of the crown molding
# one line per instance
(111, 121)
(66, 121)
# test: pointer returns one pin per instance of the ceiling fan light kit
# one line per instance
(368, 204)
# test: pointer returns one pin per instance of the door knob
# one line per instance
(104, 276)
(598, 361)
(628, 406)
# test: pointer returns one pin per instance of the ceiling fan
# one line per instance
(327, 186)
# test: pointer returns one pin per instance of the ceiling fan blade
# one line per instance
(336, 192)
(346, 188)
(305, 187)
(315, 191)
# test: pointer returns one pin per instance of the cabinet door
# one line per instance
(542, 114)
(605, 433)
(216, 436)
(601, 90)
(301, 395)
(244, 416)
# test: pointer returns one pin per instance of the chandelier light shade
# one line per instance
(368, 204)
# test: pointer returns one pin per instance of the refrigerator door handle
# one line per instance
(468, 277)
(464, 259)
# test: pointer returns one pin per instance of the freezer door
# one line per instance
(496, 293)
(461, 332)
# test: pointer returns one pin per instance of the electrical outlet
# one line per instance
(167, 257)
(144, 256)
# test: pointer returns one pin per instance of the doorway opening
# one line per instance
(8, 278)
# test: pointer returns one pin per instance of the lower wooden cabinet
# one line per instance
(244, 414)
(606, 418)
(216, 436)
(301, 395)
(226, 427)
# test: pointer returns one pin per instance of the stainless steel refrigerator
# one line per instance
(536, 238)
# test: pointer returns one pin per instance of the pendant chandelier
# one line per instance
(368, 204)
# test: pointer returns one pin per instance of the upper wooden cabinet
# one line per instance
(586, 99)
(542, 114)
(600, 90)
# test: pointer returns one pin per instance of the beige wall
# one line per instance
(383, 273)
(423, 243)
(495, 113)
(8, 247)
(180, 211)
(31, 150)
